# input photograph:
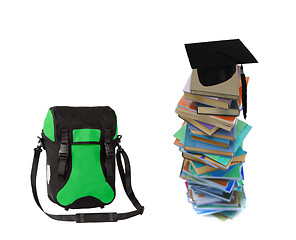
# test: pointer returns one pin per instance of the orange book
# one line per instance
(178, 143)
(187, 104)
(190, 107)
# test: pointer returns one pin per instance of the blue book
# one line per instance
(214, 160)
(242, 131)
(200, 147)
(211, 140)
(241, 136)
(234, 173)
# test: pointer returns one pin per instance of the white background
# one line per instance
(130, 55)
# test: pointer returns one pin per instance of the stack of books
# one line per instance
(211, 142)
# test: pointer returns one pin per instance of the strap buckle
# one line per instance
(120, 149)
(64, 149)
(39, 145)
(109, 150)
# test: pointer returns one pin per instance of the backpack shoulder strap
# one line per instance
(93, 217)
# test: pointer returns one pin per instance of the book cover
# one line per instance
(207, 128)
(227, 89)
(233, 173)
(204, 109)
(196, 146)
(186, 104)
(211, 140)
(216, 161)
(223, 122)
(211, 101)
(220, 133)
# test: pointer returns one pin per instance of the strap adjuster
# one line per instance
(109, 150)
(39, 145)
(64, 149)
(80, 217)
(63, 153)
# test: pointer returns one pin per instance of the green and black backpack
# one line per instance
(80, 145)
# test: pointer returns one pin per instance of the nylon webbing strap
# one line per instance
(126, 178)
(109, 153)
(93, 217)
(37, 152)
(63, 152)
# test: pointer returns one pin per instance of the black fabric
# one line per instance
(82, 117)
(126, 177)
(93, 217)
(56, 182)
(109, 154)
(63, 152)
(86, 202)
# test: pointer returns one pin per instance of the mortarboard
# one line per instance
(216, 62)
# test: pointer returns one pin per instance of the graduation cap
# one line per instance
(216, 62)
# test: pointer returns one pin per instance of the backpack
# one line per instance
(80, 145)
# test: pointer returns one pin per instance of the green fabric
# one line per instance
(86, 135)
(115, 136)
(87, 177)
(48, 127)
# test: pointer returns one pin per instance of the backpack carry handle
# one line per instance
(125, 176)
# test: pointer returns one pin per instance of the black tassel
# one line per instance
(244, 92)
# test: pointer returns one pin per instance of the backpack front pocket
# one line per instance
(87, 178)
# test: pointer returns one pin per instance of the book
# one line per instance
(216, 161)
(223, 122)
(203, 159)
(211, 101)
(201, 147)
(187, 172)
(180, 134)
(225, 215)
(242, 131)
(206, 128)
(228, 89)
(201, 168)
(227, 197)
(204, 109)
(234, 204)
(233, 173)
(202, 199)
(211, 140)
(220, 133)
(220, 184)
(211, 136)
(186, 104)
